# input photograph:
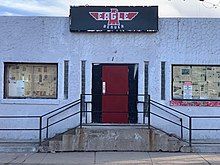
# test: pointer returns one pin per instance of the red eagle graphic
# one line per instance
(114, 17)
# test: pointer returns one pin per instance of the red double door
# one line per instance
(115, 90)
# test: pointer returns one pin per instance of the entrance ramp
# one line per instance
(110, 137)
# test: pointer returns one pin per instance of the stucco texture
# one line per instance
(48, 40)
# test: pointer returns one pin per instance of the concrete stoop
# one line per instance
(116, 138)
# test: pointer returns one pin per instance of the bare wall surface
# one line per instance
(47, 39)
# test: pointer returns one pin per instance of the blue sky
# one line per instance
(34, 7)
(167, 8)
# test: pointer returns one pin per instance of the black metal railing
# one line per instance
(39, 127)
(39, 118)
(204, 119)
(185, 122)
(146, 111)
(189, 125)
(88, 101)
(77, 102)
(175, 113)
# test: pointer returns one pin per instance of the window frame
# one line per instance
(172, 82)
(5, 88)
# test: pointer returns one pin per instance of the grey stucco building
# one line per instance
(41, 65)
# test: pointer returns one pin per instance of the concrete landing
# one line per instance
(116, 138)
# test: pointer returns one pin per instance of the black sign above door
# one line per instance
(113, 19)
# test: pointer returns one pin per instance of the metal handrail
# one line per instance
(149, 102)
(168, 120)
(190, 123)
(24, 129)
(163, 107)
(39, 117)
(49, 125)
(166, 111)
(144, 112)
(17, 117)
(170, 108)
(60, 108)
(19, 129)
(109, 94)
(76, 103)
(207, 117)
(205, 129)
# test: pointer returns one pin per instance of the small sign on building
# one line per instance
(114, 19)
(187, 90)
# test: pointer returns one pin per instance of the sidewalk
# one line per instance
(110, 158)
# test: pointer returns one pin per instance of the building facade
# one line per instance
(45, 66)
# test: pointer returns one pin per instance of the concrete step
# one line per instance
(54, 145)
(23, 147)
(60, 142)
(67, 142)
(116, 138)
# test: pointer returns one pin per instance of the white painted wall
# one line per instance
(47, 39)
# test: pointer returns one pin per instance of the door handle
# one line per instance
(103, 87)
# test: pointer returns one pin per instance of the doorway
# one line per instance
(114, 93)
